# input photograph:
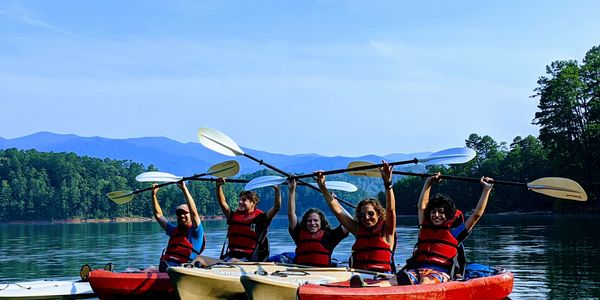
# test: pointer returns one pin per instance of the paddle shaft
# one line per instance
(261, 162)
(459, 178)
(338, 171)
(194, 178)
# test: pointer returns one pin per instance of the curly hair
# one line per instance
(250, 195)
(376, 205)
(441, 201)
(312, 210)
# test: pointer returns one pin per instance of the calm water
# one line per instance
(554, 257)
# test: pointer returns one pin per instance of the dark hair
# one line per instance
(312, 210)
(376, 205)
(441, 201)
(250, 195)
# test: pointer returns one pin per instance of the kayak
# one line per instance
(141, 285)
(46, 289)
(490, 288)
(284, 284)
(219, 281)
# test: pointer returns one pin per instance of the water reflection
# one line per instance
(552, 257)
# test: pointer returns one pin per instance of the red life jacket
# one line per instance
(436, 245)
(242, 234)
(310, 251)
(179, 248)
(370, 251)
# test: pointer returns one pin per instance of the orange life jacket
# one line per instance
(242, 234)
(310, 251)
(371, 251)
(179, 249)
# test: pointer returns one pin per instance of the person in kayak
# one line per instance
(247, 232)
(373, 226)
(186, 238)
(440, 234)
(314, 238)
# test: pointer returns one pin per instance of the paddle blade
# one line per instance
(121, 197)
(157, 177)
(218, 142)
(225, 169)
(369, 172)
(450, 156)
(338, 185)
(558, 187)
(264, 181)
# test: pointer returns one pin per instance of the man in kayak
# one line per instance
(247, 232)
(373, 226)
(314, 238)
(441, 232)
(186, 238)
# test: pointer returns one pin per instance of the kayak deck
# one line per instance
(46, 289)
(132, 285)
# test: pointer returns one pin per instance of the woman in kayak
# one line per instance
(247, 232)
(314, 238)
(441, 232)
(186, 238)
(373, 226)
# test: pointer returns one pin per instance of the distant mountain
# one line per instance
(182, 159)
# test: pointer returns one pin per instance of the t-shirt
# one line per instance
(331, 238)
(195, 236)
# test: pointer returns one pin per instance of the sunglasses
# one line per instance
(370, 213)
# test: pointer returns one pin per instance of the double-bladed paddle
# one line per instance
(557, 187)
(265, 181)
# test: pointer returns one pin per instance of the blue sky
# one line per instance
(327, 77)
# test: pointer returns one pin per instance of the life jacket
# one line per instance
(243, 234)
(370, 251)
(179, 249)
(310, 251)
(436, 245)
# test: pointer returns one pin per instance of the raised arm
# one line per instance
(156, 210)
(195, 217)
(390, 202)
(221, 198)
(424, 198)
(291, 210)
(340, 213)
(276, 204)
(483, 199)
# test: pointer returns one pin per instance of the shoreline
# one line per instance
(105, 220)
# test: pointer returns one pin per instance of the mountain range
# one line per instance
(182, 159)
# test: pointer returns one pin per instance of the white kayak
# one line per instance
(46, 289)
(220, 281)
(283, 285)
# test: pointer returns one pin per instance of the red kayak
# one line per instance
(132, 285)
(489, 288)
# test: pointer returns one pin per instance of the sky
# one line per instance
(329, 77)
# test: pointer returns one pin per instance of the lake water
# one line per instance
(552, 257)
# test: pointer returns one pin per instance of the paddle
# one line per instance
(552, 186)
(219, 142)
(265, 181)
(444, 157)
(224, 169)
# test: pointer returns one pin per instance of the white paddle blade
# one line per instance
(225, 169)
(157, 177)
(218, 142)
(120, 197)
(369, 172)
(338, 185)
(558, 187)
(264, 181)
(450, 156)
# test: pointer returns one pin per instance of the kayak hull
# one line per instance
(46, 289)
(492, 287)
(221, 281)
(131, 285)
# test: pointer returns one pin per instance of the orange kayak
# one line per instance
(131, 285)
(490, 288)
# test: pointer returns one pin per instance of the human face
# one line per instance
(437, 216)
(368, 215)
(183, 217)
(245, 205)
(313, 222)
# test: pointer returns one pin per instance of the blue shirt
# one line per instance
(195, 236)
